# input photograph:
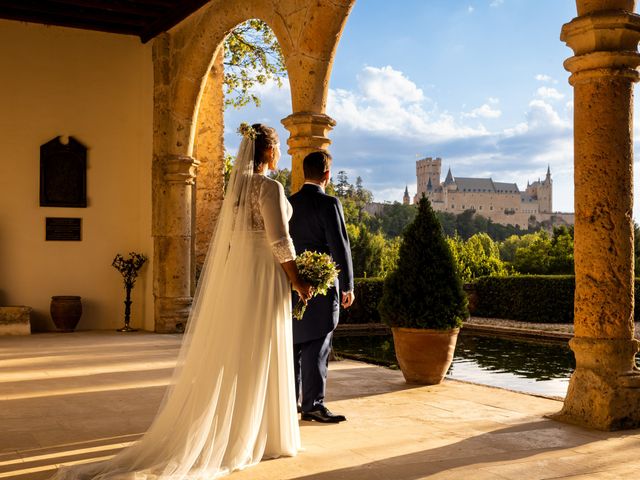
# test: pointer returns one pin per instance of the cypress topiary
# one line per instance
(425, 290)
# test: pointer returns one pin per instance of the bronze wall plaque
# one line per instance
(63, 174)
(63, 229)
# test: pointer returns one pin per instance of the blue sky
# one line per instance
(479, 83)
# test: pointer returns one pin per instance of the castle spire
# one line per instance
(406, 200)
(449, 178)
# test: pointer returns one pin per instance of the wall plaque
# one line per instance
(63, 229)
(63, 174)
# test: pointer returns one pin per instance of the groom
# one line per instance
(318, 224)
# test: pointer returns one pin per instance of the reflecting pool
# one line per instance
(524, 365)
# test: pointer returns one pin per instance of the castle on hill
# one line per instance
(501, 202)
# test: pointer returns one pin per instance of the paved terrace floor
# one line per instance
(76, 397)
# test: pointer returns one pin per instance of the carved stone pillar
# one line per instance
(604, 391)
(209, 150)
(172, 242)
(309, 133)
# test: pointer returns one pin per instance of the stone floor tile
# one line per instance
(394, 431)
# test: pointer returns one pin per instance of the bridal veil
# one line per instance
(231, 401)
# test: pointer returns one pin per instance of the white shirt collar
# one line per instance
(316, 184)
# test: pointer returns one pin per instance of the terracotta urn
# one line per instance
(66, 311)
(424, 355)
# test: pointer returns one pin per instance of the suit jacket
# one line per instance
(317, 224)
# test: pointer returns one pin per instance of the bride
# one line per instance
(231, 401)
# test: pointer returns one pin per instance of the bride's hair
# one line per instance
(265, 137)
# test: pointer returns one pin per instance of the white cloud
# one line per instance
(543, 78)
(385, 121)
(551, 93)
(496, 3)
(484, 111)
(388, 103)
(470, 9)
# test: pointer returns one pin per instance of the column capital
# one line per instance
(308, 130)
(605, 45)
(180, 169)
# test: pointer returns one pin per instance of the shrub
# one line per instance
(528, 298)
(476, 257)
(424, 291)
(368, 292)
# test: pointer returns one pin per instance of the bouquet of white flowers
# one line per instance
(320, 271)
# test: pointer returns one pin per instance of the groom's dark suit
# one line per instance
(318, 224)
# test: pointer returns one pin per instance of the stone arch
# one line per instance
(184, 58)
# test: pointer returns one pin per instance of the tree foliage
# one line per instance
(424, 291)
(252, 56)
(282, 175)
(476, 257)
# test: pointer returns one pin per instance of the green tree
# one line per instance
(390, 255)
(476, 257)
(252, 56)
(561, 254)
(395, 218)
(343, 187)
(448, 222)
(284, 177)
(363, 195)
(367, 252)
(425, 291)
(535, 257)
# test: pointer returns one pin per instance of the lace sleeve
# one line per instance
(274, 213)
(283, 250)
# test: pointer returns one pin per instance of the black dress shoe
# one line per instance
(322, 415)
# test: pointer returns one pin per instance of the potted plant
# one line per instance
(423, 301)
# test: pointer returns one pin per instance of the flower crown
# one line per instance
(247, 131)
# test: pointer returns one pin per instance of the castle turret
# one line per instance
(406, 200)
(545, 193)
(427, 170)
(449, 179)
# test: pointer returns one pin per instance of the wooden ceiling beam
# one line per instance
(181, 11)
(119, 7)
(143, 18)
(10, 14)
(42, 9)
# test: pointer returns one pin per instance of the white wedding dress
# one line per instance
(231, 402)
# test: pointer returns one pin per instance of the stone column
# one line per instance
(209, 150)
(309, 133)
(604, 391)
(172, 242)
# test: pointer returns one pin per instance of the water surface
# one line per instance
(523, 365)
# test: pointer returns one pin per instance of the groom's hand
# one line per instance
(347, 299)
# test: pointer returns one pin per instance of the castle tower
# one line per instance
(545, 194)
(427, 169)
(406, 200)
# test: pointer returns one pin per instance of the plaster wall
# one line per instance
(98, 88)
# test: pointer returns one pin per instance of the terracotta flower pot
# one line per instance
(424, 355)
(66, 311)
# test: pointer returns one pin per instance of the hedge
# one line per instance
(527, 298)
(530, 298)
(368, 292)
